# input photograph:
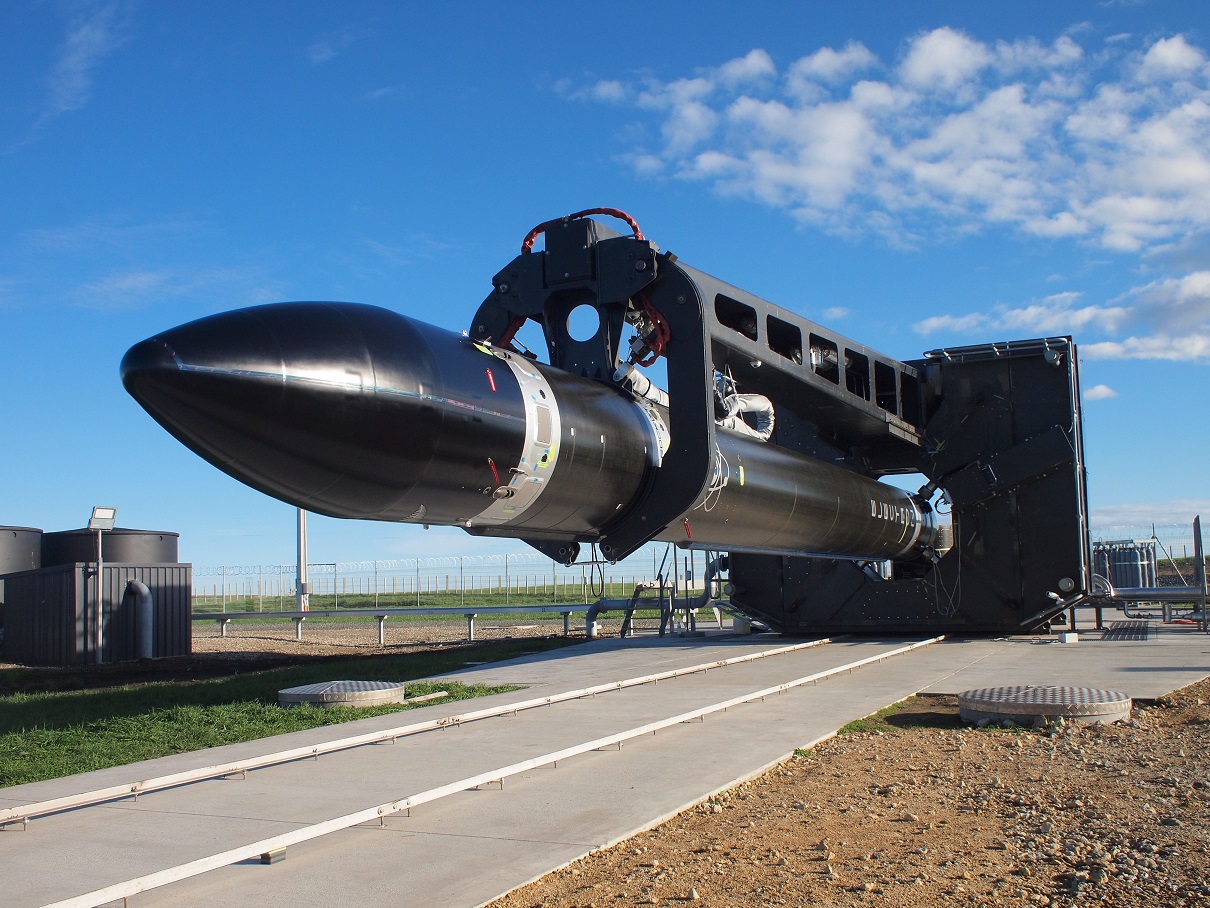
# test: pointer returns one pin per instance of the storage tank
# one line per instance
(20, 550)
(1125, 562)
(117, 545)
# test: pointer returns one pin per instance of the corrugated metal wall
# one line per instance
(171, 586)
(49, 615)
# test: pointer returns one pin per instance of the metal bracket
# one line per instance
(1007, 470)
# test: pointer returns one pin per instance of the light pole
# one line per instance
(302, 580)
(102, 519)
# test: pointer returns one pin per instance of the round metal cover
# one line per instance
(1025, 703)
(343, 693)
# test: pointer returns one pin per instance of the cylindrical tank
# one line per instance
(20, 549)
(1126, 563)
(118, 545)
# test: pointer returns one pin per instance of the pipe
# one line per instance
(144, 617)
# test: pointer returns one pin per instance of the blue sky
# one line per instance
(913, 176)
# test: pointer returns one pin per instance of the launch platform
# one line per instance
(697, 715)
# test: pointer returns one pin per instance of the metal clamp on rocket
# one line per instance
(768, 441)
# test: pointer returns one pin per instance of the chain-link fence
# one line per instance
(457, 581)
(1169, 546)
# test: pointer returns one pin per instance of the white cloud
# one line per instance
(609, 90)
(1100, 392)
(1106, 145)
(1186, 348)
(1171, 58)
(385, 91)
(1109, 145)
(92, 35)
(836, 312)
(1052, 315)
(753, 67)
(943, 59)
(1176, 303)
(955, 323)
(331, 46)
(1179, 512)
(1167, 319)
(134, 288)
(830, 65)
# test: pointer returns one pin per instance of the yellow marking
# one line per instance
(741, 474)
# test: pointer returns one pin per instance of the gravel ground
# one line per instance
(247, 638)
(932, 812)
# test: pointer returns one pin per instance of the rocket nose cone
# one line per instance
(334, 407)
(185, 376)
(144, 361)
(271, 395)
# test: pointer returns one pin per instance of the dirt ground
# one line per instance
(246, 638)
(922, 810)
(928, 811)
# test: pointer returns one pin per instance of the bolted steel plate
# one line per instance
(343, 693)
(1025, 704)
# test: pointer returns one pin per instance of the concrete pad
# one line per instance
(475, 845)
(1172, 657)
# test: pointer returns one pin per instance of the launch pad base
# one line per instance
(477, 845)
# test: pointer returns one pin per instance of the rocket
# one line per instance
(360, 412)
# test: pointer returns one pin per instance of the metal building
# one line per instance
(50, 614)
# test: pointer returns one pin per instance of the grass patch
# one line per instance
(921, 711)
(45, 734)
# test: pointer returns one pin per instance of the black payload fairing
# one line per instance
(359, 412)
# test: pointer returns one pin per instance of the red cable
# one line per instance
(510, 332)
(527, 245)
(662, 331)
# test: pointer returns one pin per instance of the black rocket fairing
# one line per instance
(359, 412)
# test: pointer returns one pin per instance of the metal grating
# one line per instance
(1026, 702)
(343, 693)
(1128, 630)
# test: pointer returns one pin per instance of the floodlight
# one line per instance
(103, 518)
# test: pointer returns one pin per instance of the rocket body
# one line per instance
(359, 412)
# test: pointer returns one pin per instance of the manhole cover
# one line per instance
(343, 693)
(1025, 703)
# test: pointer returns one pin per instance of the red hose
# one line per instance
(663, 333)
(527, 245)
